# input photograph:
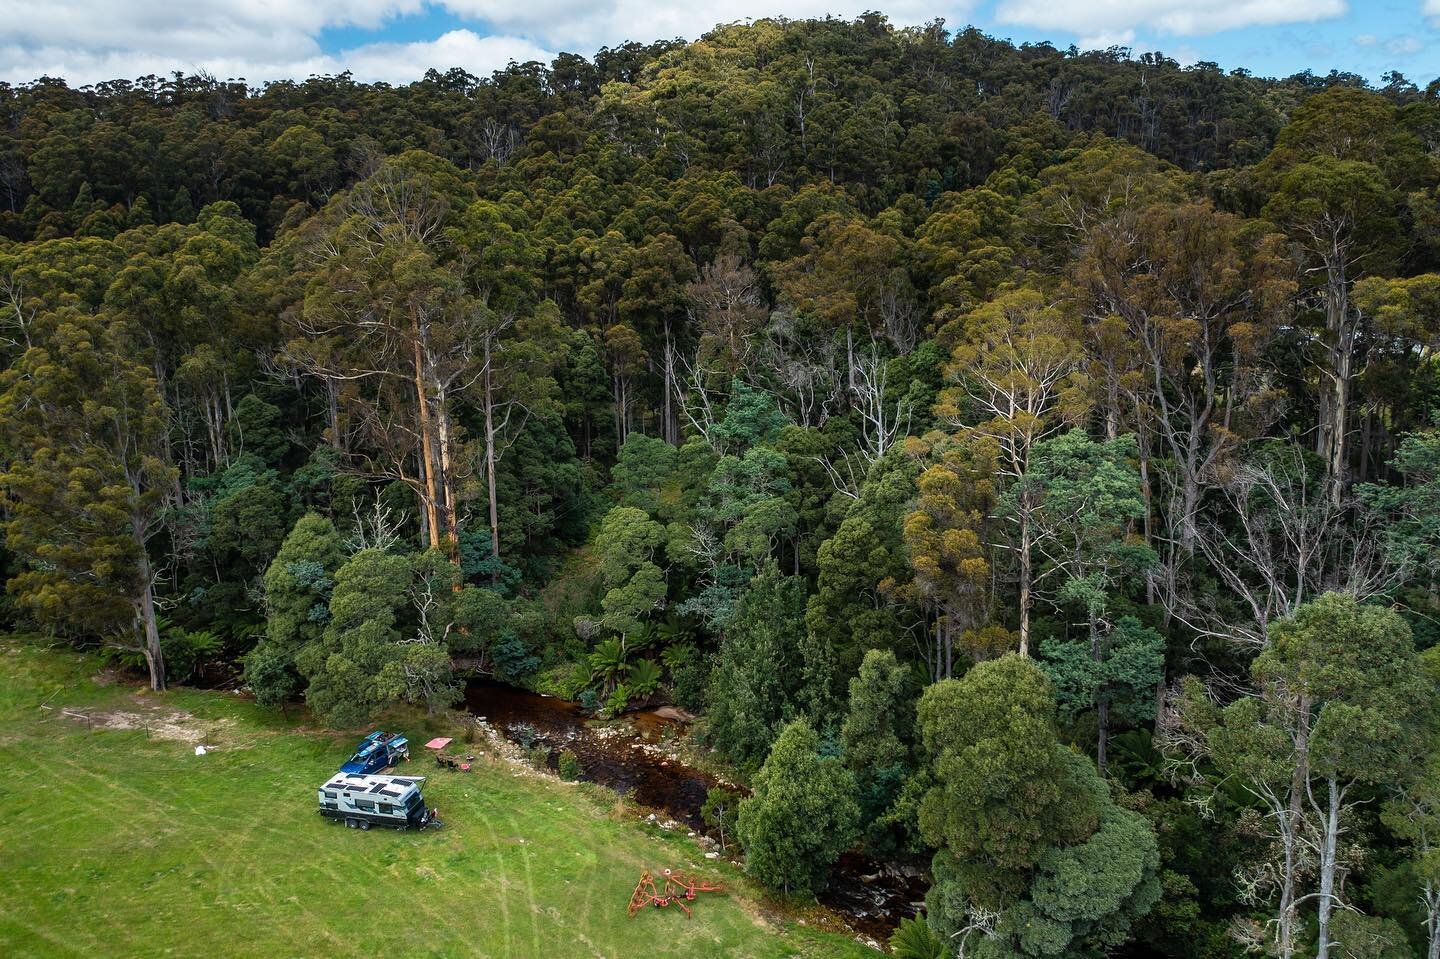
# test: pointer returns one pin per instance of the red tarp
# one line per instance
(437, 743)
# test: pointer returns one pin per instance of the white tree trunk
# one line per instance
(1327, 868)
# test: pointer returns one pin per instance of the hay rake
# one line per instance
(678, 888)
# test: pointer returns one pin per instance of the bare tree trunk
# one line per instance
(1432, 919)
(1143, 444)
(1342, 330)
(1285, 932)
(447, 484)
(622, 415)
(1102, 704)
(427, 447)
(1327, 868)
(1298, 783)
(1339, 446)
(144, 603)
(1026, 579)
(1189, 506)
(490, 468)
(670, 429)
(215, 427)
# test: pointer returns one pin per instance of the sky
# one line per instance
(396, 41)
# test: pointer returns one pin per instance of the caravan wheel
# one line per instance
(364, 824)
(351, 823)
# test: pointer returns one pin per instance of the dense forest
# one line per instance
(1023, 462)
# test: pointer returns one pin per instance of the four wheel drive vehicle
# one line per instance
(362, 801)
(376, 751)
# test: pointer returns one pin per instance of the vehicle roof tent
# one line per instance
(376, 751)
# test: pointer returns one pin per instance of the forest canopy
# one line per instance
(1024, 462)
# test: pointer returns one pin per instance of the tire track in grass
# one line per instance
(61, 947)
(229, 871)
(124, 812)
(526, 866)
(504, 882)
(118, 811)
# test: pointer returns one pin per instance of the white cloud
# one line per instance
(1403, 46)
(1432, 9)
(192, 29)
(389, 62)
(585, 26)
(1398, 47)
(1104, 41)
(86, 41)
(403, 62)
(1179, 17)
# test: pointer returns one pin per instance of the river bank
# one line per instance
(641, 757)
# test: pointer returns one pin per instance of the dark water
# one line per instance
(870, 898)
(558, 724)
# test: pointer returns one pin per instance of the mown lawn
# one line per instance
(123, 843)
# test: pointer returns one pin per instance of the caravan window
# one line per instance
(363, 804)
(385, 807)
(329, 795)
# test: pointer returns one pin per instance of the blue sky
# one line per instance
(397, 40)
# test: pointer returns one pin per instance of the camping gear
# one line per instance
(679, 888)
(377, 751)
(454, 762)
(363, 801)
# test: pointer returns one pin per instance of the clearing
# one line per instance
(118, 840)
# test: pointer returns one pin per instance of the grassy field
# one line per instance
(122, 842)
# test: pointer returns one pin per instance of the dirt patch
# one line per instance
(170, 724)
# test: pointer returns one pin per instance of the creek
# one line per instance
(870, 897)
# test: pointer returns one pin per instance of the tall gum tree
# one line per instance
(1201, 294)
(1337, 177)
(1016, 379)
(385, 316)
(86, 481)
(1339, 706)
(508, 337)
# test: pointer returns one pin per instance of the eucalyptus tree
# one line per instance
(1016, 379)
(387, 321)
(1339, 706)
(87, 479)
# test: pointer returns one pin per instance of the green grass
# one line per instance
(118, 843)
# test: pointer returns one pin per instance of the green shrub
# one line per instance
(569, 765)
(619, 699)
(538, 756)
(916, 940)
(643, 677)
(719, 812)
(566, 680)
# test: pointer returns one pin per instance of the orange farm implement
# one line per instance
(678, 888)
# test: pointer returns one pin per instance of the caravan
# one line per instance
(363, 801)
